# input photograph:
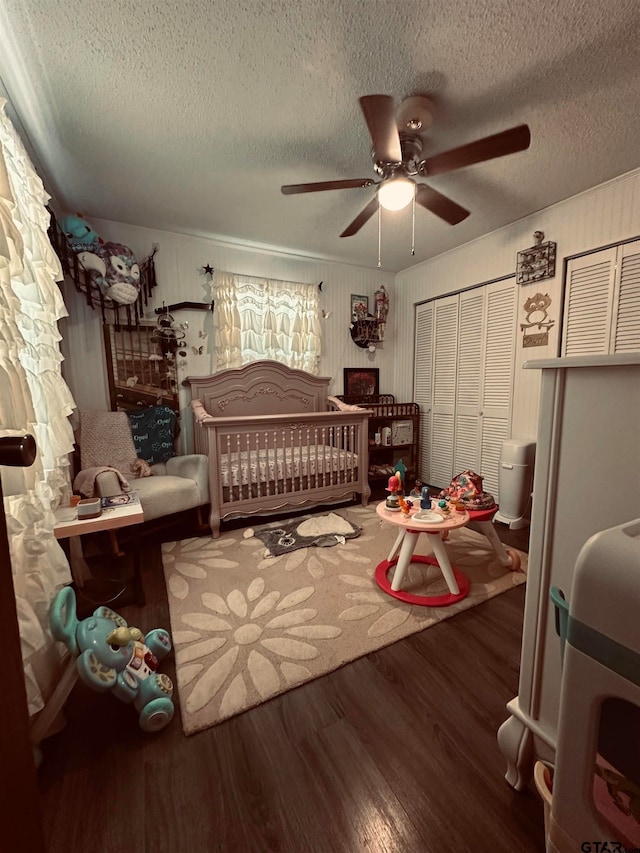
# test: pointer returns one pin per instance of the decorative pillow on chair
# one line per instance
(154, 431)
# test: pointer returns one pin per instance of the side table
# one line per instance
(408, 535)
(68, 526)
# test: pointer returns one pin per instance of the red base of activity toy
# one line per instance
(381, 576)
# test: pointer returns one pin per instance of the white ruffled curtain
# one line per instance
(34, 398)
(261, 318)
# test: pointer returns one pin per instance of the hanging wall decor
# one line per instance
(537, 317)
(537, 262)
(359, 307)
(361, 381)
(367, 330)
(381, 298)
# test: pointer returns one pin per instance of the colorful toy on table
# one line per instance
(416, 491)
(396, 499)
(401, 471)
(405, 506)
(444, 507)
(393, 487)
(113, 656)
(466, 489)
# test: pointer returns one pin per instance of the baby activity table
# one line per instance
(410, 527)
(437, 527)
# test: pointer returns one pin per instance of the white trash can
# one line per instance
(515, 479)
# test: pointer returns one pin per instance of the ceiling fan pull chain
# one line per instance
(413, 224)
(379, 233)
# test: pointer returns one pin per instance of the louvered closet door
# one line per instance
(588, 303)
(423, 386)
(445, 346)
(471, 322)
(498, 377)
(625, 333)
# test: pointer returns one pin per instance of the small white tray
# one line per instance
(427, 516)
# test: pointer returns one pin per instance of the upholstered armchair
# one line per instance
(121, 451)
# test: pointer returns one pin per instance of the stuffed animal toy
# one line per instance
(110, 655)
(141, 468)
(118, 276)
(80, 235)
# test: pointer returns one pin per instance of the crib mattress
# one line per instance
(263, 466)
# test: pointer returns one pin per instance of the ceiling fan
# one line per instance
(397, 158)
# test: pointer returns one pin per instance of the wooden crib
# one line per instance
(272, 444)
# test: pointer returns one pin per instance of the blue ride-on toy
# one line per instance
(113, 656)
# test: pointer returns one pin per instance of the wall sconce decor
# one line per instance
(536, 263)
(367, 330)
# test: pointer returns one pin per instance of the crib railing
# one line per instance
(272, 461)
(289, 459)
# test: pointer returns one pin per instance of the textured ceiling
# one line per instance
(189, 116)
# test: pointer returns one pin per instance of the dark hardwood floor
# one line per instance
(396, 751)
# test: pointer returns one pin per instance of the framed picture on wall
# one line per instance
(361, 381)
(359, 306)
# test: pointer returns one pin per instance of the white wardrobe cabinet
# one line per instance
(586, 479)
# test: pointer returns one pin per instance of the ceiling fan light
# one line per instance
(396, 193)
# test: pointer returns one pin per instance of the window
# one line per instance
(258, 318)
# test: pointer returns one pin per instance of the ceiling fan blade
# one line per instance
(292, 189)
(361, 218)
(507, 142)
(440, 205)
(380, 115)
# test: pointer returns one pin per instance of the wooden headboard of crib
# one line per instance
(260, 388)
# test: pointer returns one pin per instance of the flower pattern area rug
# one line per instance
(247, 627)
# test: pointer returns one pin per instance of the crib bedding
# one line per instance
(264, 466)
